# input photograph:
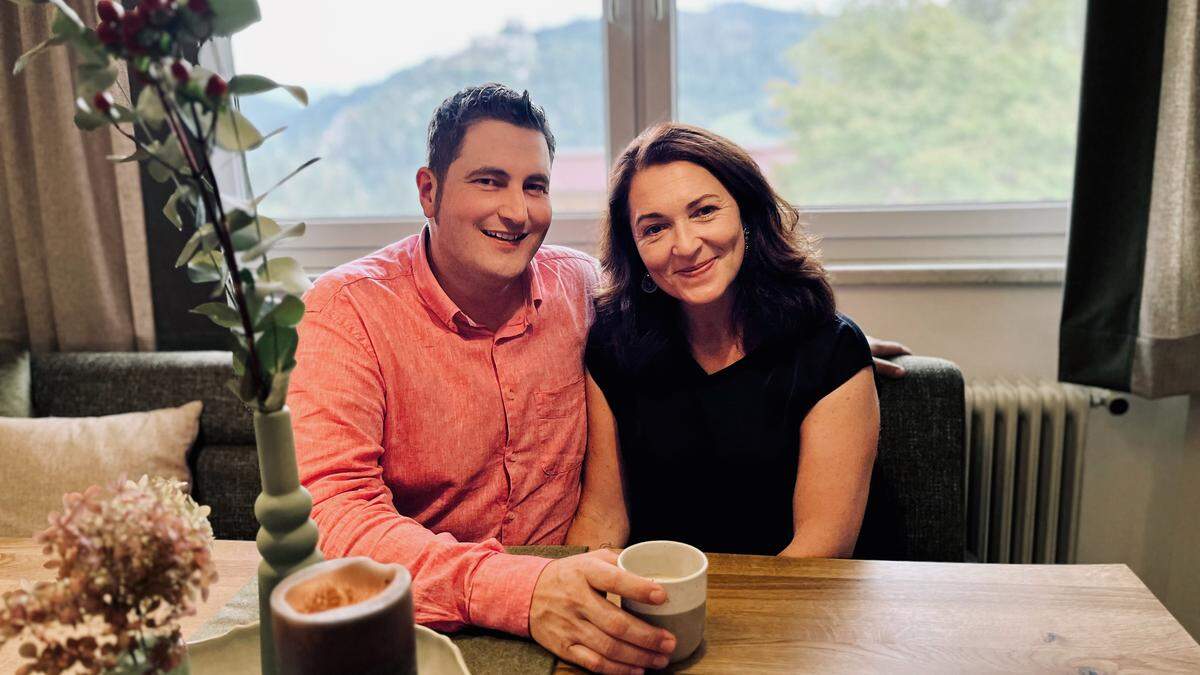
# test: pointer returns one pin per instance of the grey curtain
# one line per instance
(1131, 307)
(73, 273)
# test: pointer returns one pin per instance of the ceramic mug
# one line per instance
(349, 615)
(682, 571)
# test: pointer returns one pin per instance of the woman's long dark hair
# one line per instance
(781, 289)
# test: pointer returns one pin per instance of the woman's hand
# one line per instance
(883, 349)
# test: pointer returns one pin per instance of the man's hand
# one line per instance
(571, 617)
(881, 349)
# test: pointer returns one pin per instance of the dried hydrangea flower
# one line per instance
(130, 561)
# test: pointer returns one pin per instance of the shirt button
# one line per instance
(510, 517)
(510, 395)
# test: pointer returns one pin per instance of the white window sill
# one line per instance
(975, 244)
(942, 274)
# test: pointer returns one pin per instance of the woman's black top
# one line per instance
(711, 460)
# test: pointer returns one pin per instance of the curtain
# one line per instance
(1131, 307)
(73, 271)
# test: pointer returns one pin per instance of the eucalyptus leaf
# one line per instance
(273, 132)
(122, 114)
(66, 25)
(68, 12)
(25, 58)
(205, 266)
(93, 77)
(88, 120)
(314, 160)
(137, 156)
(88, 48)
(286, 312)
(158, 172)
(278, 395)
(276, 348)
(235, 132)
(149, 108)
(231, 16)
(170, 153)
(248, 85)
(194, 27)
(237, 217)
(220, 313)
(239, 360)
(287, 272)
(267, 243)
(204, 238)
(249, 236)
(183, 194)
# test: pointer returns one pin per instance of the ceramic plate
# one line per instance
(236, 653)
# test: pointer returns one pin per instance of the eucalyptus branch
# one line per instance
(144, 148)
(220, 226)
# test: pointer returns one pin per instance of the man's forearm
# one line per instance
(597, 531)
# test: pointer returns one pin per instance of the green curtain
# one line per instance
(1131, 306)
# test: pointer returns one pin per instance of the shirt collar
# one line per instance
(443, 307)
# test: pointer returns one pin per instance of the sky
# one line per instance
(336, 46)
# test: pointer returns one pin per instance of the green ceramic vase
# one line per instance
(287, 536)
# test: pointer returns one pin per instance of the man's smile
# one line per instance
(502, 235)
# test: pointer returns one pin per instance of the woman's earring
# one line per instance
(648, 285)
(746, 235)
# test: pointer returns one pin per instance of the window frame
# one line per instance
(928, 243)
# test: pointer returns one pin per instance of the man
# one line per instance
(438, 399)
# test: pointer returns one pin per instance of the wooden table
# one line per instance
(776, 615)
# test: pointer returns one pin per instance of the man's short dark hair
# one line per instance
(491, 101)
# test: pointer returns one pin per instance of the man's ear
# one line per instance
(427, 189)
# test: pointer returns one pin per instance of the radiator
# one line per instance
(1024, 468)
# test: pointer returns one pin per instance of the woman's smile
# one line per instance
(697, 270)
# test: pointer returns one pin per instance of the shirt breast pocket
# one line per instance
(561, 427)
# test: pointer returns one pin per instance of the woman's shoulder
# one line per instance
(838, 329)
(831, 352)
(848, 352)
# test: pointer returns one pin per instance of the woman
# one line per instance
(729, 405)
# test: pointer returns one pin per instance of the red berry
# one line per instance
(131, 27)
(134, 20)
(198, 6)
(180, 72)
(109, 33)
(109, 10)
(216, 87)
(102, 101)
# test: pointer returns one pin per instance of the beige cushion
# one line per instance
(14, 381)
(43, 458)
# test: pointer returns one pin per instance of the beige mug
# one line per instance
(682, 571)
(349, 615)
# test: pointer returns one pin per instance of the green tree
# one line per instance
(917, 101)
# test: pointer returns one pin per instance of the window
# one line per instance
(910, 131)
(376, 73)
(890, 103)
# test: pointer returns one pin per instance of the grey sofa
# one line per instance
(915, 511)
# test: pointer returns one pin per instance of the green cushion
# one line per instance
(14, 382)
